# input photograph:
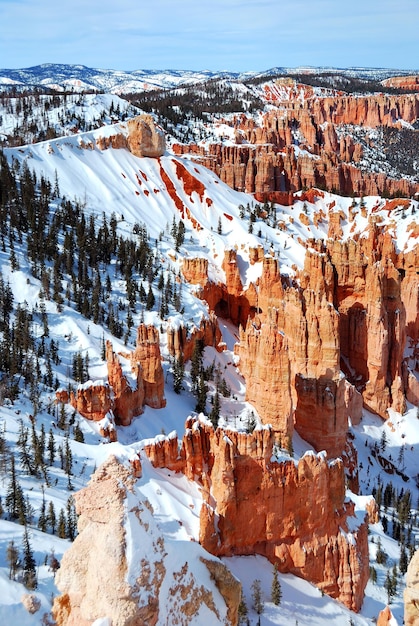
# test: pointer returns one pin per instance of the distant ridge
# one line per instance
(80, 77)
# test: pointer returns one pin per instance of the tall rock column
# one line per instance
(147, 355)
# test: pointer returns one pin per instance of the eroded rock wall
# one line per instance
(294, 513)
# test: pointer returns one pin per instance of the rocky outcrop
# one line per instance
(402, 82)
(93, 400)
(181, 341)
(147, 357)
(103, 576)
(139, 383)
(145, 139)
(128, 396)
(290, 355)
(295, 514)
(265, 161)
(411, 592)
(385, 617)
(372, 317)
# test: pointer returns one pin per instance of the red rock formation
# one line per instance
(264, 161)
(126, 394)
(402, 82)
(144, 138)
(147, 356)
(295, 514)
(92, 400)
(372, 324)
(180, 341)
(195, 270)
(290, 357)
(385, 617)
(128, 398)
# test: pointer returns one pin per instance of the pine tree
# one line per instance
(257, 597)
(403, 562)
(373, 575)
(150, 300)
(215, 411)
(15, 501)
(61, 528)
(51, 517)
(29, 564)
(201, 395)
(197, 361)
(12, 556)
(71, 522)
(51, 447)
(42, 520)
(178, 374)
(276, 592)
(242, 610)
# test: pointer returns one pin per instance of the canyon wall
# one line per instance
(294, 513)
(315, 349)
(297, 145)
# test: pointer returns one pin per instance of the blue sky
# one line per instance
(236, 35)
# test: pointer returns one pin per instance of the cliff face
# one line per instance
(124, 396)
(98, 577)
(290, 356)
(265, 162)
(292, 513)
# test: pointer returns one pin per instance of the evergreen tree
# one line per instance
(51, 517)
(381, 556)
(28, 563)
(71, 521)
(178, 374)
(25, 456)
(257, 597)
(12, 557)
(403, 562)
(201, 395)
(243, 610)
(180, 236)
(150, 300)
(42, 520)
(197, 362)
(78, 434)
(276, 592)
(61, 528)
(15, 501)
(215, 411)
(373, 575)
(51, 447)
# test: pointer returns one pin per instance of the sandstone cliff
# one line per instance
(411, 593)
(126, 392)
(265, 161)
(292, 513)
(120, 566)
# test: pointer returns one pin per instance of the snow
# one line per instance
(108, 181)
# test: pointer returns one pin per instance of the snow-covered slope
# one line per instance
(113, 182)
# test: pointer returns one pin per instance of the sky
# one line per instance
(234, 35)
